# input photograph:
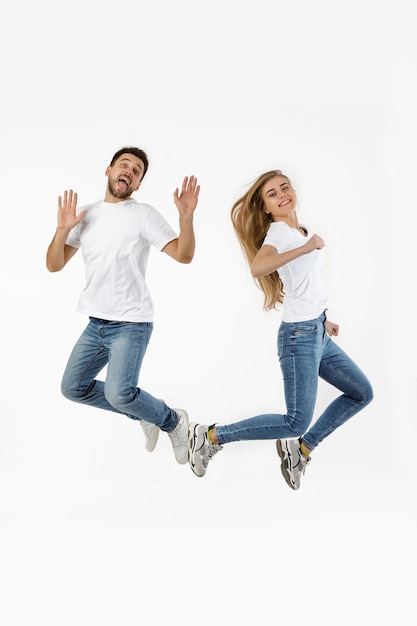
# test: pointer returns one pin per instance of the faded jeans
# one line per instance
(306, 353)
(121, 346)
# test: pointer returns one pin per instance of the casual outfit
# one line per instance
(115, 241)
(306, 353)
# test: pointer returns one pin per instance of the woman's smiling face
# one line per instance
(279, 198)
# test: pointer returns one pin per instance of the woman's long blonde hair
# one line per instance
(251, 223)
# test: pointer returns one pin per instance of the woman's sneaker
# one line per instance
(201, 449)
(293, 463)
(151, 432)
(179, 437)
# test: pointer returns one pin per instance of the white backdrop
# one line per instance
(95, 530)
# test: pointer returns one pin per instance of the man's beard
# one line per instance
(121, 195)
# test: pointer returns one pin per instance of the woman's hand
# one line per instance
(332, 329)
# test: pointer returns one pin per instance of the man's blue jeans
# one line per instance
(121, 346)
(306, 353)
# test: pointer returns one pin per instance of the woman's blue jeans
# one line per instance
(121, 346)
(306, 353)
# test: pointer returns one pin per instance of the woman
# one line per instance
(266, 224)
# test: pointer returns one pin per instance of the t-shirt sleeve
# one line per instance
(278, 236)
(158, 232)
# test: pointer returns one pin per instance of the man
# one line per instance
(115, 235)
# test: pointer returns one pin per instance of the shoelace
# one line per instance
(213, 448)
(176, 437)
(147, 427)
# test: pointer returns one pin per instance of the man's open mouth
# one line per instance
(123, 182)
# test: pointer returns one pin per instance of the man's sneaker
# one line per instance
(151, 434)
(201, 449)
(293, 463)
(179, 437)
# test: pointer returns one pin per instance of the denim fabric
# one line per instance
(306, 353)
(121, 346)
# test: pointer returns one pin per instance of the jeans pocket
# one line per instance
(307, 329)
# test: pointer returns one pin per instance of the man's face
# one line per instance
(125, 176)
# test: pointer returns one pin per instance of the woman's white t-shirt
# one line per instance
(305, 297)
(115, 241)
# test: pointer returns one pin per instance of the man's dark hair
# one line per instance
(136, 152)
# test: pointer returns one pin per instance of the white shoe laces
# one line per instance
(175, 435)
(147, 427)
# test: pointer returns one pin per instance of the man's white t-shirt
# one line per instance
(304, 298)
(115, 241)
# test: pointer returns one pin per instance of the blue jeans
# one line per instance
(121, 346)
(306, 353)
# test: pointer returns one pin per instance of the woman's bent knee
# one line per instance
(368, 394)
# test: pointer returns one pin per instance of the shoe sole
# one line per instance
(195, 441)
(285, 455)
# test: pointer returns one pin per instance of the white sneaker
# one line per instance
(151, 435)
(179, 437)
(293, 463)
(201, 449)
